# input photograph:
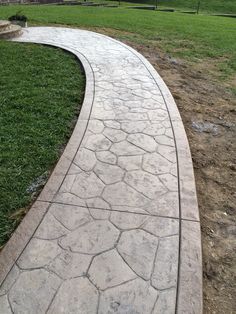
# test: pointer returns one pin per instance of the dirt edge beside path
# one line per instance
(208, 111)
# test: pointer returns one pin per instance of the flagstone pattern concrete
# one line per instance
(116, 228)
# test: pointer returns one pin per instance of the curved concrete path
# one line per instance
(116, 228)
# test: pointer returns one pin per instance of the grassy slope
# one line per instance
(210, 6)
(40, 89)
(213, 6)
(182, 34)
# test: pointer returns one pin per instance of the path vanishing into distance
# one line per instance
(116, 228)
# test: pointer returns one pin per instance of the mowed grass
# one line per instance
(210, 6)
(206, 6)
(194, 37)
(41, 89)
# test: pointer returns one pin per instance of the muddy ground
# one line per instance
(208, 111)
(209, 115)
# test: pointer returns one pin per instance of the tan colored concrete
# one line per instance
(116, 228)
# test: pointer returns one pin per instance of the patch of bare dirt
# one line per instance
(208, 111)
(209, 115)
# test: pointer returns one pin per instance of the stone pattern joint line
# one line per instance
(113, 223)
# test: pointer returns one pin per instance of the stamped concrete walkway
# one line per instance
(116, 228)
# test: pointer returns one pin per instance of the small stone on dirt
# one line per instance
(206, 127)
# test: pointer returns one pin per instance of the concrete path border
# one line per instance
(189, 282)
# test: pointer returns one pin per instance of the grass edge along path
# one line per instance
(41, 90)
(193, 37)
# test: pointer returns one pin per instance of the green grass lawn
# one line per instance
(206, 6)
(41, 89)
(195, 37)
(211, 6)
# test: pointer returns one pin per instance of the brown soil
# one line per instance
(208, 104)
(208, 111)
